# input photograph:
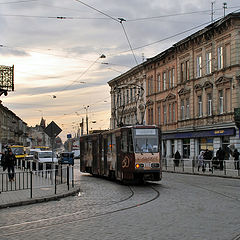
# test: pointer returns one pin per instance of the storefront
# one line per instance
(191, 143)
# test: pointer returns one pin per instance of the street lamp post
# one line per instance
(86, 108)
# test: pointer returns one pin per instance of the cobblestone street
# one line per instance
(178, 207)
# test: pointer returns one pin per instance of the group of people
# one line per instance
(205, 157)
(8, 161)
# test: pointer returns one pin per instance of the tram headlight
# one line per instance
(139, 165)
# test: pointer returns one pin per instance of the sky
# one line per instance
(56, 48)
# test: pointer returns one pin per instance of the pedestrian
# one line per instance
(10, 162)
(220, 154)
(3, 162)
(177, 157)
(207, 158)
(236, 158)
(201, 161)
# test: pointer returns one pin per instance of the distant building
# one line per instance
(128, 102)
(13, 130)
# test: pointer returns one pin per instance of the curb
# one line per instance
(40, 200)
(207, 175)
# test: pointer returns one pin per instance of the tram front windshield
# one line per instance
(145, 140)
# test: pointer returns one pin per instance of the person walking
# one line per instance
(236, 158)
(177, 157)
(201, 161)
(220, 154)
(207, 158)
(10, 162)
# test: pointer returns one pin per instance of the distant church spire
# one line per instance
(43, 123)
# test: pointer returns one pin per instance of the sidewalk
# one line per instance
(42, 191)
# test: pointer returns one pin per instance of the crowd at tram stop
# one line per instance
(206, 158)
(8, 162)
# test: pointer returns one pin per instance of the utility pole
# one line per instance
(86, 108)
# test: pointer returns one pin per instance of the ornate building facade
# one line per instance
(193, 90)
(190, 91)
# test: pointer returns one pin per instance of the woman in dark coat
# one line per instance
(10, 162)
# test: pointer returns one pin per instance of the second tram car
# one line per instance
(127, 154)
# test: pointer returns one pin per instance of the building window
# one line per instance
(186, 148)
(170, 79)
(131, 95)
(182, 72)
(209, 104)
(173, 77)
(123, 96)
(220, 57)
(158, 83)
(165, 114)
(164, 81)
(221, 101)
(173, 114)
(187, 70)
(170, 113)
(199, 106)
(227, 55)
(127, 100)
(182, 109)
(187, 109)
(199, 66)
(159, 115)
(208, 63)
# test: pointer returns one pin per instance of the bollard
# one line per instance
(61, 173)
(224, 166)
(55, 181)
(31, 187)
(72, 176)
(174, 166)
(183, 165)
(68, 177)
(193, 165)
(166, 163)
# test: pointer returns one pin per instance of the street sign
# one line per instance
(52, 130)
(69, 135)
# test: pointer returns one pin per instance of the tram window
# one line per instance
(130, 142)
(124, 142)
(110, 143)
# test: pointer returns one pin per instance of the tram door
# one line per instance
(118, 155)
(95, 156)
(105, 145)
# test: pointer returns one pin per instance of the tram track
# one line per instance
(29, 226)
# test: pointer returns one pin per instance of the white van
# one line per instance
(45, 157)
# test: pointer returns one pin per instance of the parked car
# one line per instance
(45, 157)
(66, 158)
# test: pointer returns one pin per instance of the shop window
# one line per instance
(206, 143)
(186, 148)
(172, 148)
(225, 144)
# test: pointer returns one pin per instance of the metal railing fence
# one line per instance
(38, 179)
(223, 168)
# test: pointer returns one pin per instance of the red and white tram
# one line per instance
(127, 154)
